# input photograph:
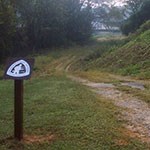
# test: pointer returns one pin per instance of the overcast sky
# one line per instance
(111, 2)
(118, 2)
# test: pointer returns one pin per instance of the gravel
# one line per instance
(134, 111)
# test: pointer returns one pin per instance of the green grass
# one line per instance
(89, 59)
(105, 77)
(126, 57)
(54, 105)
(96, 76)
(142, 94)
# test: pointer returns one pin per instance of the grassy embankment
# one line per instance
(131, 58)
(128, 58)
(56, 107)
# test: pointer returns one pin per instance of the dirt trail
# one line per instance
(134, 111)
(64, 63)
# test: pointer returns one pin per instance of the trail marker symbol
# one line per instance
(18, 69)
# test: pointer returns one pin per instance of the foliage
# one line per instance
(137, 19)
(43, 24)
(130, 59)
(7, 27)
(133, 6)
(79, 27)
(50, 23)
(109, 16)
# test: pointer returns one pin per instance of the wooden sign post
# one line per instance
(18, 69)
(18, 109)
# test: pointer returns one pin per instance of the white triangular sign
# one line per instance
(19, 68)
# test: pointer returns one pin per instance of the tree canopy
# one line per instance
(109, 16)
(137, 19)
(7, 26)
(36, 24)
(133, 6)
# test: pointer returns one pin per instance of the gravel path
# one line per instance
(135, 111)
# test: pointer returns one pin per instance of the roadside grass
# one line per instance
(77, 118)
(106, 77)
(142, 94)
(97, 76)
(136, 71)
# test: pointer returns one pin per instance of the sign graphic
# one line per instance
(19, 69)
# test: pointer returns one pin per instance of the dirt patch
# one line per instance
(64, 63)
(121, 142)
(29, 139)
(132, 134)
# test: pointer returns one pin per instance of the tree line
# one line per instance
(139, 11)
(30, 25)
(128, 18)
(27, 25)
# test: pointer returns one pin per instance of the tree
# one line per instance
(109, 16)
(27, 25)
(50, 23)
(115, 16)
(7, 27)
(133, 6)
(79, 18)
(137, 19)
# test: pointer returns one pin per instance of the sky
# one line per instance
(111, 2)
(118, 2)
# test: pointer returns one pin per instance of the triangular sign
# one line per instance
(19, 68)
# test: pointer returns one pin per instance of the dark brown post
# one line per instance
(18, 110)
(18, 69)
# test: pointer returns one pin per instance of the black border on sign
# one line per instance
(9, 62)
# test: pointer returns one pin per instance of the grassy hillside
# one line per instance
(132, 58)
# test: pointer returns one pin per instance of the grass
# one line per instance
(107, 77)
(55, 105)
(89, 59)
(122, 56)
(97, 76)
(142, 94)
